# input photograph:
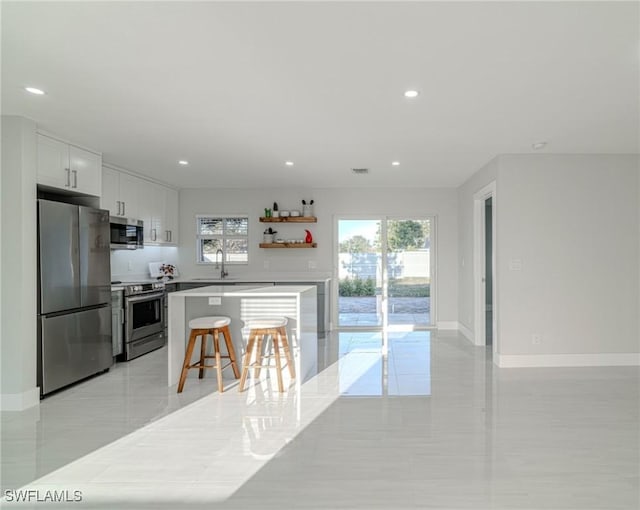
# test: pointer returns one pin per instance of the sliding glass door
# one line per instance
(384, 271)
(408, 272)
(360, 273)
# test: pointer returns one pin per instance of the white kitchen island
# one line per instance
(298, 303)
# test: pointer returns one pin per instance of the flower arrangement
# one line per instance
(167, 270)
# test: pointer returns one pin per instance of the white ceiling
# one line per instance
(239, 88)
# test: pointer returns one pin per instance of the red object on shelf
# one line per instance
(309, 238)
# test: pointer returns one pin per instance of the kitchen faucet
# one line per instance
(223, 273)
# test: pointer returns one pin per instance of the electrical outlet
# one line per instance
(536, 339)
(313, 264)
(515, 265)
(215, 300)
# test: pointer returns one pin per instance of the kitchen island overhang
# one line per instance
(298, 303)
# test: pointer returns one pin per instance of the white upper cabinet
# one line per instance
(159, 211)
(171, 215)
(129, 193)
(120, 193)
(110, 198)
(53, 163)
(147, 206)
(67, 167)
(133, 197)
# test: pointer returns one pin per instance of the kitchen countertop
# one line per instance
(243, 291)
(231, 280)
(256, 278)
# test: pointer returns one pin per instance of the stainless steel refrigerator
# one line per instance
(74, 290)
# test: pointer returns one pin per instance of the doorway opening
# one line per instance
(488, 269)
(485, 320)
(384, 270)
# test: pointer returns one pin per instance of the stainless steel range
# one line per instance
(144, 318)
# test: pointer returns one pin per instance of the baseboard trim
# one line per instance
(20, 401)
(448, 325)
(468, 334)
(567, 360)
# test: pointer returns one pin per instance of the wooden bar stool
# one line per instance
(259, 329)
(201, 327)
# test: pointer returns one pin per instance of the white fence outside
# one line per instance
(415, 263)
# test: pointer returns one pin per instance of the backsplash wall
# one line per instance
(128, 265)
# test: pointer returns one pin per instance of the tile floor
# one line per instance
(431, 425)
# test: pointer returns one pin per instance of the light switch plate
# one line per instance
(215, 300)
(313, 264)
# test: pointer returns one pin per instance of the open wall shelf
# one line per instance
(288, 245)
(290, 219)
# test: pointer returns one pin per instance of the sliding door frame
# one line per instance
(384, 218)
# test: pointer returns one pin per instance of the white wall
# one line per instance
(19, 265)
(131, 265)
(329, 203)
(573, 222)
(465, 261)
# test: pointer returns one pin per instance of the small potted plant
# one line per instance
(267, 237)
(307, 209)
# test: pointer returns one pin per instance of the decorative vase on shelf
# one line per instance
(309, 238)
(307, 210)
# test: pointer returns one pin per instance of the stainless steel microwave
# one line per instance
(126, 233)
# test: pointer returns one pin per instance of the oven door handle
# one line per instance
(143, 297)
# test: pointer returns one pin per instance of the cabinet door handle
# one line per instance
(155, 236)
(118, 202)
(170, 236)
(75, 178)
(167, 235)
(124, 208)
(68, 177)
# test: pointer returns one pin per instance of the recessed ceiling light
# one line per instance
(396, 163)
(183, 162)
(34, 90)
(411, 93)
(538, 145)
(288, 163)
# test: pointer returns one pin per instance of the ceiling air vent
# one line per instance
(360, 171)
